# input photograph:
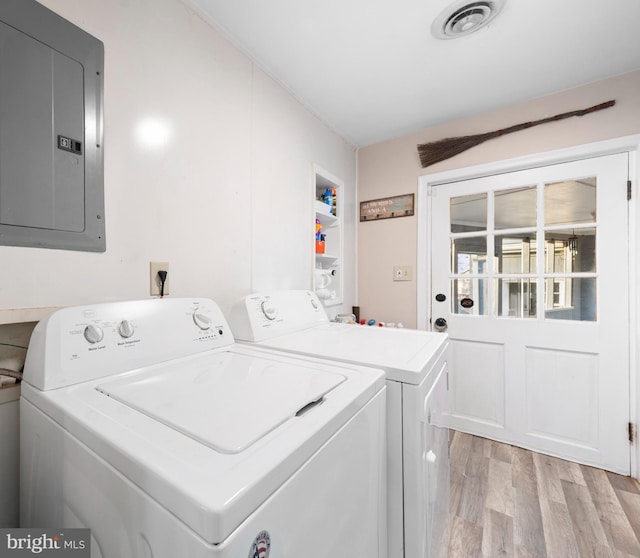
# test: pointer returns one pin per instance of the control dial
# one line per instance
(268, 309)
(202, 320)
(126, 329)
(93, 333)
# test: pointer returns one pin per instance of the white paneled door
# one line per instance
(530, 274)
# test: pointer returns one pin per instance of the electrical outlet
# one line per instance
(402, 273)
(154, 280)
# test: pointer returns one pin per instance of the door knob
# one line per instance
(440, 324)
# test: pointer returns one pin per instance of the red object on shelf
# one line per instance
(319, 246)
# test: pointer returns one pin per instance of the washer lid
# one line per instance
(228, 402)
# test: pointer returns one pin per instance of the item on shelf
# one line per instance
(323, 278)
(333, 202)
(328, 198)
(345, 319)
(372, 322)
(320, 238)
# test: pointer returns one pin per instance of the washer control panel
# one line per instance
(268, 309)
(93, 333)
(261, 316)
(85, 342)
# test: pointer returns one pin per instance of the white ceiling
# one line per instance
(371, 70)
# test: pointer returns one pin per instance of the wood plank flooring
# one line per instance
(507, 501)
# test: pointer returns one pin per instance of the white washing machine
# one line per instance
(145, 422)
(415, 363)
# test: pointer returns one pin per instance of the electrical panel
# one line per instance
(51, 161)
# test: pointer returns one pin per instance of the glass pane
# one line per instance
(469, 296)
(469, 255)
(570, 298)
(516, 298)
(572, 201)
(469, 213)
(516, 253)
(570, 251)
(515, 208)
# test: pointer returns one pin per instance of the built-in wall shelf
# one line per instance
(328, 221)
(326, 258)
(328, 282)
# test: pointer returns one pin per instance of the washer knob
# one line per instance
(126, 329)
(93, 333)
(202, 320)
(268, 309)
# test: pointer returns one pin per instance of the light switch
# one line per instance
(402, 273)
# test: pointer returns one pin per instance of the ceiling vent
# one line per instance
(464, 17)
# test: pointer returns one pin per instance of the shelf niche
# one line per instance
(328, 281)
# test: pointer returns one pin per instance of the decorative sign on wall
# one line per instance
(386, 208)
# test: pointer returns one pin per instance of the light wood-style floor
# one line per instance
(507, 501)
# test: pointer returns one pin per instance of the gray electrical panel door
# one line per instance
(51, 165)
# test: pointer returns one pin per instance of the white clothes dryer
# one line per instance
(145, 422)
(416, 367)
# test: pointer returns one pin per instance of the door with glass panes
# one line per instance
(530, 274)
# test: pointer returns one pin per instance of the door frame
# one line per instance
(626, 144)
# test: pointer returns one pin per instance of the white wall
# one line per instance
(227, 201)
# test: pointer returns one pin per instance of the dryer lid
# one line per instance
(406, 355)
(228, 402)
